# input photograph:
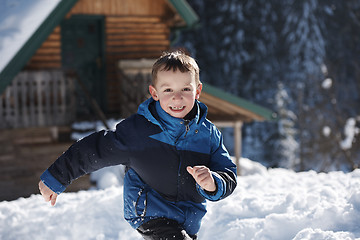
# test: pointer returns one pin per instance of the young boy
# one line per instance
(175, 157)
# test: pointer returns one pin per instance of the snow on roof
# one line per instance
(19, 20)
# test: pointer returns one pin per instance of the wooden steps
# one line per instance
(25, 155)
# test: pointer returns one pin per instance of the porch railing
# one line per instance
(38, 98)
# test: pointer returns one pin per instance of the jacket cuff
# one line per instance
(220, 184)
(48, 179)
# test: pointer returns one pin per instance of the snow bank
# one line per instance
(274, 204)
(282, 204)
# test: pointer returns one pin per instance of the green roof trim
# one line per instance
(266, 113)
(34, 42)
(186, 12)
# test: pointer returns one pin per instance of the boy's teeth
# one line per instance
(177, 108)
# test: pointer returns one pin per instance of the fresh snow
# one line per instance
(350, 131)
(274, 204)
(327, 83)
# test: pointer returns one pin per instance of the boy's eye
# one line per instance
(167, 90)
(187, 89)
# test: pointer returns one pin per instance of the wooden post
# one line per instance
(236, 125)
(237, 144)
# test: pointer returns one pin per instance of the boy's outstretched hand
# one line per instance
(203, 177)
(47, 193)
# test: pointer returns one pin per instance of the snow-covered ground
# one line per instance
(275, 204)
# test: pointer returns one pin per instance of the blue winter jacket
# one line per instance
(156, 148)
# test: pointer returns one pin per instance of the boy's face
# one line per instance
(176, 92)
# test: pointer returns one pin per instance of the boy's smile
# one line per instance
(176, 91)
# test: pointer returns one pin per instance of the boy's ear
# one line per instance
(153, 92)
(198, 91)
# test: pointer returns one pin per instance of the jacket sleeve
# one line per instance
(98, 150)
(222, 167)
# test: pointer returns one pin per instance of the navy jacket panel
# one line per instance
(91, 153)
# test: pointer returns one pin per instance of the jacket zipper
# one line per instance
(187, 127)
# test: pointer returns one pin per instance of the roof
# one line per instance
(225, 106)
(186, 12)
(25, 51)
(53, 14)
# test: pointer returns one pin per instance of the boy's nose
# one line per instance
(177, 95)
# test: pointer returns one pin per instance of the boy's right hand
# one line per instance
(47, 193)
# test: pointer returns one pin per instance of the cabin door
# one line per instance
(82, 51)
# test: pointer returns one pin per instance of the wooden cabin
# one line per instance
(75, 66)
(95, 34)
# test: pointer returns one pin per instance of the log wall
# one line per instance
(48, 56)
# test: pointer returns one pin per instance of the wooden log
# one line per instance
(137, 50)
(46, 58)
(137, 55)
(137, 26)
(141, 42)
(37, 65)
(54, 37)
(45, 51)
(51, 44)
(132, 19)
(57, 29)
(137, 36)
(137, 30)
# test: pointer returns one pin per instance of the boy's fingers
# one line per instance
(199, 173)
(42, 190)
(190, 170)
(47, 197)
(53, 199)
(198, 170)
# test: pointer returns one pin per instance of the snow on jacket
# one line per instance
(156, 148)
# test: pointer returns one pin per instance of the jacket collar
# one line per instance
(158, 116)
(175, 126)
